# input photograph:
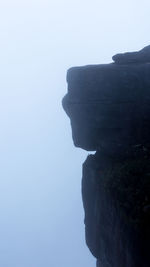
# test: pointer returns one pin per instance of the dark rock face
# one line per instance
(142, 56)
(115, 196)
(109, 108)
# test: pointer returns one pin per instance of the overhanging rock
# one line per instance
(109, 105)
(109, 108)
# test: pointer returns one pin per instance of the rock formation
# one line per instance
(109, 108)
(142, 56)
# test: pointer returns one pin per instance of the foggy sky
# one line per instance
(41, 213)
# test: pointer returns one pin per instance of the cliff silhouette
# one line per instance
(109, 109)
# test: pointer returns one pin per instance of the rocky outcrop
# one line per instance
(142, 56)
(109, 108)
(117, 211)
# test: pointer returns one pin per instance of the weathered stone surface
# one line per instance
(142, 56)
(109, 108)
(115, 196)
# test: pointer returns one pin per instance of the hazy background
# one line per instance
(41, 214)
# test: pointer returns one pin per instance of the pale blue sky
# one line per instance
(41, 214)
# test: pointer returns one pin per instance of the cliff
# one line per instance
(109, 108)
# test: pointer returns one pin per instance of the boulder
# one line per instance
(109, 106)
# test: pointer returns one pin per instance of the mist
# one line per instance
(42, 217)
